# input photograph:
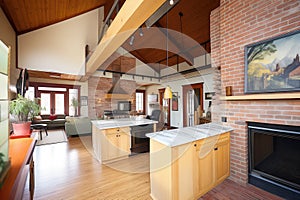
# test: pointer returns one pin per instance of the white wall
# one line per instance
(83, 89)
(60, 47)
(176, 83)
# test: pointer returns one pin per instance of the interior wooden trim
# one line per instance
(185, 89)
(269, 96)
(144, 99)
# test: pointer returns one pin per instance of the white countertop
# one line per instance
(116, 123)
(185, 135)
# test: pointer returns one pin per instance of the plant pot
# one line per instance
(21, 128)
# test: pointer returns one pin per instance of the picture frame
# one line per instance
(273, 65)
(83, 101)
(175, 101)
(209, 95)
(152, 98)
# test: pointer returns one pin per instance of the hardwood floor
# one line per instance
(69, 171)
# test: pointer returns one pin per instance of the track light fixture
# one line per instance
(141, 32)
(131, 40)
(171, 2)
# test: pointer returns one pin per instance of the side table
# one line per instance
(40, 127)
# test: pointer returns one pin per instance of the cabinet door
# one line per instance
(204, 166)
(112, 146)
(182, 171)
(222, 160)
(123, 144)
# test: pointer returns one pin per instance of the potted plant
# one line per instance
(23, 110)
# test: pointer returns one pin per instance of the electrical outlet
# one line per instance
(224, 119)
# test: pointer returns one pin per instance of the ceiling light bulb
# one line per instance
(171, 2)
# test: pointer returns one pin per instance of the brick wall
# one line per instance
(98, 87)
(242, 23)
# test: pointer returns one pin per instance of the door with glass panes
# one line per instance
(53, 102)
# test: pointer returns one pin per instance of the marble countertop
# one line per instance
(185, 135)
(117, 123)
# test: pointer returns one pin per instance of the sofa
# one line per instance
(52, 121)
(78, 126)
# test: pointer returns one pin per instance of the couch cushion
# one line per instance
(52, 117)
(60, 116)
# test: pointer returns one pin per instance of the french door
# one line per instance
(53, 102)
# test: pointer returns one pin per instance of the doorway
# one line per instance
(192, 101)
(165, 103)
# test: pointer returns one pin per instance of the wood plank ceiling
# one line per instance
(29, 15)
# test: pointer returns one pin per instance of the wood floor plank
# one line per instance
(69, 171)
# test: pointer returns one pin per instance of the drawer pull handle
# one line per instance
(195, 145)
(216, 148)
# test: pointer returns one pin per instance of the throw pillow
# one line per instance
(37, 118)
(52, 117)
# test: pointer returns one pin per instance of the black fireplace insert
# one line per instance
(274, 158)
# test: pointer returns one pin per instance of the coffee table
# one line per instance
(40, 127)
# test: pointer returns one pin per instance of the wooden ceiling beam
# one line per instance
(131, 16)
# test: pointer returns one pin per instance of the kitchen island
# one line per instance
(111, 139)
(186, 163)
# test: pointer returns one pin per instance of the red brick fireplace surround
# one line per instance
(235, 24)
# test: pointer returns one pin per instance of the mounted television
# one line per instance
(124, 105)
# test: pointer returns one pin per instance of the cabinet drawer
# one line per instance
(223, 138)
(211, 142)
(116, 130)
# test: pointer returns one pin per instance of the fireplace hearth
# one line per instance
(274, 158)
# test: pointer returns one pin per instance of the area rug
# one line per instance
(54, 136)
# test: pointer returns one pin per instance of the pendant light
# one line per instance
(168, 91)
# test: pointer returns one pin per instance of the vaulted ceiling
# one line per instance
(189, 17)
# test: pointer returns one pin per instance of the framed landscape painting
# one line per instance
(273, 65)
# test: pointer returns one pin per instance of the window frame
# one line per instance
(37, 92)
(144, 100)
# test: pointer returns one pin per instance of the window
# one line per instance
(30, 93)
(140, 101)
(56, 98)
(45, 103)
(73, 96)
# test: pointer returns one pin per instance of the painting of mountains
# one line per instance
(273, 65)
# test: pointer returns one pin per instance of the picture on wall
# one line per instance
(83, 100)
(209, 95)
(273, 65)
(152, 98)
(175, 101)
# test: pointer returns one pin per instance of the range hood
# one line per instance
(116, 91)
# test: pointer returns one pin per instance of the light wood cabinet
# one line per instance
(111, 144)
(211, 163)
(188, 171)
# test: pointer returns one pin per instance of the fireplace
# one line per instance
(274, 158)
